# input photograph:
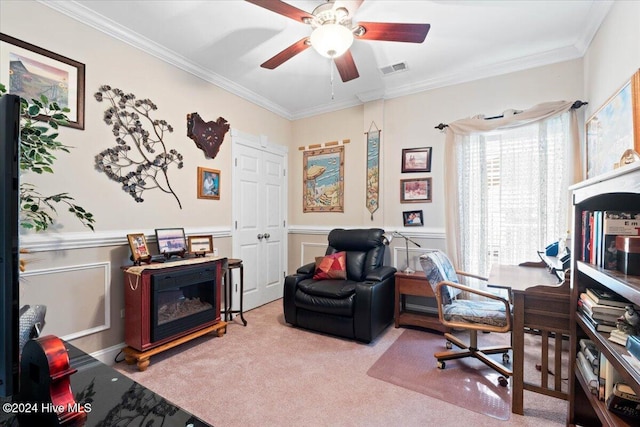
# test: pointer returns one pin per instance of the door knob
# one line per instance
(260, 236)
(267, 235)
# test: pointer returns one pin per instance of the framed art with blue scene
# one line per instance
(614, 129)
(31, 72)
(323, 180)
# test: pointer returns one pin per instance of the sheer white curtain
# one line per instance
(507, 184)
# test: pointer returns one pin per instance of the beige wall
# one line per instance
(70, 254)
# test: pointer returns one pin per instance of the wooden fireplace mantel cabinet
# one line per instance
(617, 190)
(139, 282)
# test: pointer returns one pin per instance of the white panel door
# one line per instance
(259, 219)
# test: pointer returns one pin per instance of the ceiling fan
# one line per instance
(334, 32)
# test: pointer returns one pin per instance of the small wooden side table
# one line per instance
(414, 284)
(228, 308)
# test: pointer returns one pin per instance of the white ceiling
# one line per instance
(225, 41)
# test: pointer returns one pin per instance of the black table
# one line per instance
(116, 399)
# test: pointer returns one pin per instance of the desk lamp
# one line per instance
(388, 237)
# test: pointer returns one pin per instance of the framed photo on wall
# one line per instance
(614, 128)
(412, 218)
(29, 71)
(415, 190)
(208, 183)
(416, 159)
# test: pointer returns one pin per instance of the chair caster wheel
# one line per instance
(441, 365)
(503, 381)
(448, 345)
(506, 358)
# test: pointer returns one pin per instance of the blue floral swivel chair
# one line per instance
(490, 313)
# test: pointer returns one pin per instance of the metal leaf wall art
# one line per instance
(140, 161)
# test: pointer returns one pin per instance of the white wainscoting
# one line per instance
(309, 251)
(88, 287)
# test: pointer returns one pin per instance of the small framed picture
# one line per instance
(139, 247)
(200, 244)
(416, 159)
(412, 218)
(208, 183)
(416, 190)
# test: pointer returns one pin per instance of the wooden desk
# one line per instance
(540, 303)
(414, 284)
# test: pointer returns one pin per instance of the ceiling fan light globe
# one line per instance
(331, 40)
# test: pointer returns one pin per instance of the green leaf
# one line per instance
(34, 110)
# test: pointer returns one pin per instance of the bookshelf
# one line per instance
(615, 190)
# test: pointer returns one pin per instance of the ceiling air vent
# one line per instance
(395, 68)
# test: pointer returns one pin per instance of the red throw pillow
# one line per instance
(331, 267)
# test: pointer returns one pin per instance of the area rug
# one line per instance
(467, 382)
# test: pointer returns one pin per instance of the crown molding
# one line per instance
(77, 11)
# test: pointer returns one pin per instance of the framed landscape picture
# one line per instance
(416, 159)
(200, 244)
(416, 190)
(613, 129)
(30, 71)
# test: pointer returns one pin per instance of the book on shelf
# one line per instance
(615, 223)
(599, 326)
(591, 353)
(602, 378)
(599, 231)
(624, 401)
(612, 378)
(600, 296)
(587, 373)
(633, 346)
(618, 337)
(600, 308)
(586, 233)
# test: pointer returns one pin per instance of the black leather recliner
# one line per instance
(361, 306)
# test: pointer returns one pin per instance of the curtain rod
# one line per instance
(575, 106)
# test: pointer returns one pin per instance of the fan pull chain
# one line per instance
(331, 66)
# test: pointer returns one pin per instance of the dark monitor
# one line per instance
(171, 240)
(9, 243)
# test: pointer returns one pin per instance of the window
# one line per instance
(512, 192)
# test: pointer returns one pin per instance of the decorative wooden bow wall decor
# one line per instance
(208, 136)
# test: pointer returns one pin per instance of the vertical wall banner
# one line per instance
(373, 169)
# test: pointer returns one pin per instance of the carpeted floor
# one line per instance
(467, 382)
(271, 374)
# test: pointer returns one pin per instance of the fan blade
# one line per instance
(350, 5)
(394, 32)
(346, 67)
(283, 8)
(286, 54)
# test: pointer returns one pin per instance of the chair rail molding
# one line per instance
(42, 242)
(421, 233)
